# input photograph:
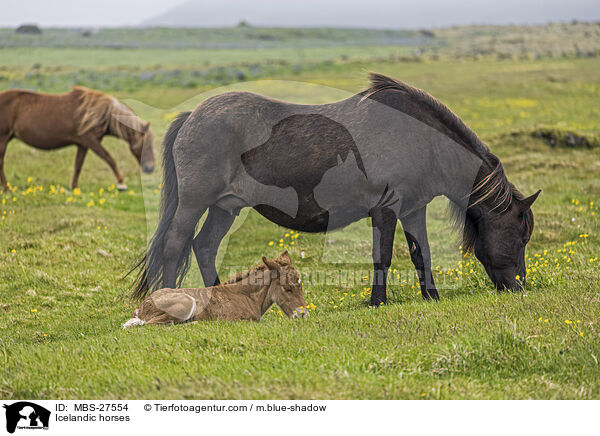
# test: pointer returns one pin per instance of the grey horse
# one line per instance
(384, 153)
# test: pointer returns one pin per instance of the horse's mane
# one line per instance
(442, 112)
(99, 109)
(491, 185)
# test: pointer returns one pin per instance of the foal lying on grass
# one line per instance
(246, 296)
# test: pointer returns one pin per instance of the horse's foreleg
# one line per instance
(415, 230)
(97, 148)
(206, 244)
(3, 143)
(384, 227)
(81, 152)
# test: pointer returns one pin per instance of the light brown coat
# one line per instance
(245, 297)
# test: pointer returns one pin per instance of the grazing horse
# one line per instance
(81, 117)
(244, 297)
(384, 153)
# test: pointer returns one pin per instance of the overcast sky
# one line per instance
(353, 13)
(73, 13)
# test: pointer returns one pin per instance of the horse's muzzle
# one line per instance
(147, 168)
(300, 312)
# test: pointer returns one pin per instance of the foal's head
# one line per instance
(140, 145)
(285, 288)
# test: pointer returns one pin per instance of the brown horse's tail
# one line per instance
(150, 265)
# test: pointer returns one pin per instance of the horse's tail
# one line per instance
(150, 266)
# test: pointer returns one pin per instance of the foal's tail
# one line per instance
(150, 266)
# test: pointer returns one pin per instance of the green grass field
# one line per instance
(63, 254)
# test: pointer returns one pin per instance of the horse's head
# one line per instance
(141, 146)
(285, 288)
(498, 239)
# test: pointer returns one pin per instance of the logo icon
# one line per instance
(26, 415)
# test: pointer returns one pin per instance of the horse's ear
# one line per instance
(284, 258)
(146, 127)
(526, 203)
(273, 266)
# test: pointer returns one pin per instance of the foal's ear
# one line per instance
(284, 258)
(526, 203)
(272, 265)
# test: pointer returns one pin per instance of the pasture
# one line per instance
(63, 254)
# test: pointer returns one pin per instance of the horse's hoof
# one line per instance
(122, 187)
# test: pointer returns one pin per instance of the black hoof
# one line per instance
(431, 294)
(376, 302)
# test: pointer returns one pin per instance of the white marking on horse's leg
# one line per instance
(122, 187)
(193, 308)
(133, 322)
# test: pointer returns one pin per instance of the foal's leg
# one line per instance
(384, 227)
(97, 148)
(3, 143)
(206, 244)
(415, 230)
(81, 152)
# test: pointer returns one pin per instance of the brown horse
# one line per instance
(81, 117)
(246, 296)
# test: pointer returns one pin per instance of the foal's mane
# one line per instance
(99, 109)
(491, 186)
(244, 275)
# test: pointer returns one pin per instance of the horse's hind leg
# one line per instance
(4, 138)
(206, 244)
(179, 238)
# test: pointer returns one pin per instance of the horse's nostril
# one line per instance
(148, 168)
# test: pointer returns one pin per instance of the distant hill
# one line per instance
(380, 14)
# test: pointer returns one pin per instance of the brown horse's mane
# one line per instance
(99, 109)
(491, 185)
(244, 275)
